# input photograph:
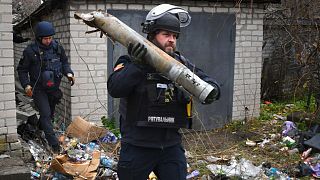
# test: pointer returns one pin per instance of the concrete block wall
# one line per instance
(248, 52)
(9, 143)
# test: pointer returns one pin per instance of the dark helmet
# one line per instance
(167, 22)
(44, 29)
(166, 17)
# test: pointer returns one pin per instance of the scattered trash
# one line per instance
(293, 151)
(267, 102)
(35, 174)
(276, 116)
(109, 138)
(244, 169)
(193, 174)
(85, 169)
(289, 105)
(108, 162)
(188, 154)
(303, 170)
(287, 127)
(316, 170)
(2, 156)
(265, 141)
(38, 152)
(288, 141)
(84, 130)
(250, 143)
(212, 159)
(84, 156)
(274, 173)
(275, 136)
(306, 153)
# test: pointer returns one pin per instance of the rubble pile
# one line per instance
(82, 156)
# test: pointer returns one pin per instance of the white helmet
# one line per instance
(160, 11)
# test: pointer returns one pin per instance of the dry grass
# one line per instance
(230, 141)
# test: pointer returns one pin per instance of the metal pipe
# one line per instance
(155, 57)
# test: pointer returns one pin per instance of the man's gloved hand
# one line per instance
(71, 78)
(214, 95)
(28, 90)
(137, 52)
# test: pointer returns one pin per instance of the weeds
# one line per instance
(110, 124)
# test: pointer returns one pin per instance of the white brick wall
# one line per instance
(248, 62)
(88, 56)
(8, 125)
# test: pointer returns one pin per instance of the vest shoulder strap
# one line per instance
(58, 47)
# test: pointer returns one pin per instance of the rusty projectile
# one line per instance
(155, 57)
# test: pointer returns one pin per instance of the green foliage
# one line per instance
(110, 124)
(301, 105)
(267, 110)
(302, 126)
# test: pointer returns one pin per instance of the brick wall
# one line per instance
(248, 61)
(9, 143)
(88, 55)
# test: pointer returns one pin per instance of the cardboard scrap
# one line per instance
(85, 131)
(84, 170)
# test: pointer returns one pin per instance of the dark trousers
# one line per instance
(46, 102)
(136, 163)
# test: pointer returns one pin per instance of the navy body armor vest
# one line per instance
(51, 67)
(156, 102)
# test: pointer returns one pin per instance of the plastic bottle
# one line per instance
(35, 174)
(107, 162)
(193, 174)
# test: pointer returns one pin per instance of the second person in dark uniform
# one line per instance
(40, 70)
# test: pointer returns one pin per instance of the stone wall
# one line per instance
(9, 143)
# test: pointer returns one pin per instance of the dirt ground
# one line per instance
(230, 141)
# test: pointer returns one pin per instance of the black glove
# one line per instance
(214, 95)
(137, 52)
